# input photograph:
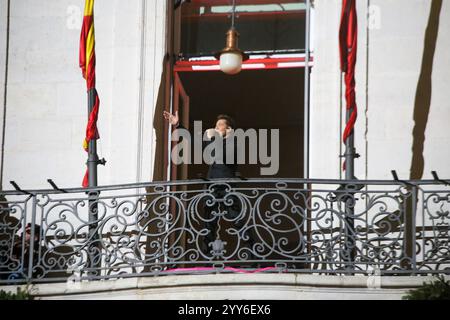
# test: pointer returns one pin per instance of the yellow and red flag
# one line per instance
(87, 45)
(87, 65)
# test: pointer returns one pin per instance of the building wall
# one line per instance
(46, 102)
(392, 80)
(46, 110)
(3, 33)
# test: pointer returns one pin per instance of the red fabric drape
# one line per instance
(348, 43)
(91, 128)
(86, 60)
(87, 65)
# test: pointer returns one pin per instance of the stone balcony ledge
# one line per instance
(232, 286)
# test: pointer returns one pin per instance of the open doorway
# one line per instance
(259, 99)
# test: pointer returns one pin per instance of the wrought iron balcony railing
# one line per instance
(196, 226)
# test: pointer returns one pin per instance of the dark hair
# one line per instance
(37, 229)
(228, 119)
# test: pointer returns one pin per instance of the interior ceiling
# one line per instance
(254, 98)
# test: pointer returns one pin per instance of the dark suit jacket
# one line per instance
(221, 170)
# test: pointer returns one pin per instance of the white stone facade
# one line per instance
(46, 103)
(232, 286)
(390, 51)
(45, 116)
(46, 110)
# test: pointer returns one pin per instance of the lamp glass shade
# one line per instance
(230, 62)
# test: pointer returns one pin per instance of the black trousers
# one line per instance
(230, 208)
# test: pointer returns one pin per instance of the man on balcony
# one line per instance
(225, 126)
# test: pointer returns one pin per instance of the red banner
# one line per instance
(348, 43)
(87, 65)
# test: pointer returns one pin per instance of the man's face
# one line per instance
(27, 234)
(221, 126)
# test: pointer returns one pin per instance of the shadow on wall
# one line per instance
(423, 92)
(421, 112)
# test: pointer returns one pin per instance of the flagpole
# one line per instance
(350, 152)
(348, 52)
(87, 64)
(92, 163)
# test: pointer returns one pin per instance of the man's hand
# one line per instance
(173, 119)
(210, 133)
(229, 132)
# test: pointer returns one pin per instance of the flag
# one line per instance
(87, 65)
(87, 45)
(348, 42)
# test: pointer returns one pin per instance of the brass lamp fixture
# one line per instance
(231, 57)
